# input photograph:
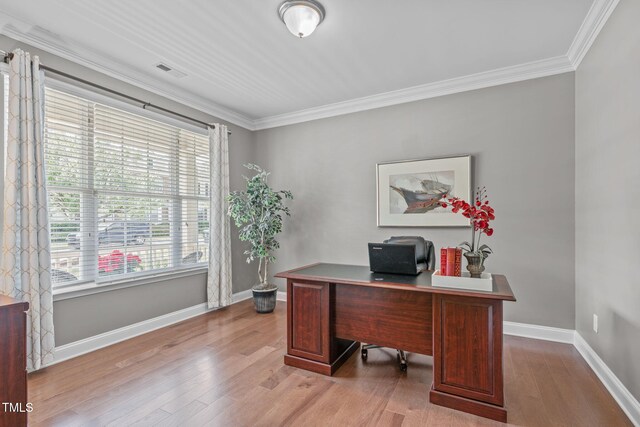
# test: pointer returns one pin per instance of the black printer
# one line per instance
(402, 255)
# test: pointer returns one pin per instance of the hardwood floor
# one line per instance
(226, 368)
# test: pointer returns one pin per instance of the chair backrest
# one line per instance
(424, 248)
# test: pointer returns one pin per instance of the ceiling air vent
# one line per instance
(170, 70)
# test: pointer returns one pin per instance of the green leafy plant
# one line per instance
(258, 214)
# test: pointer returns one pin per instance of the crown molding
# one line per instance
(500, 76)
(24, 32)
(594, 21)
(597, 16)
(592, 24)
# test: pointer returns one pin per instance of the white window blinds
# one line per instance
(128, 195)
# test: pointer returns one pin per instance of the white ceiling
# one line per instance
(244, 66)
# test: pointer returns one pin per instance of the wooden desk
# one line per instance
(13, 361)
(331, 308)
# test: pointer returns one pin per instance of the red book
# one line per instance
(458, 263)
(451, 262)
(443, 261)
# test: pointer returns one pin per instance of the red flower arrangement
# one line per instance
(113, 263)
(480, 213)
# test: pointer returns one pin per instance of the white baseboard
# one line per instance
(87, 345)
(241, 296)
(282, 296)
(620, 393)
(538, 332)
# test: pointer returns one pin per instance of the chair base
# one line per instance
(401, 355)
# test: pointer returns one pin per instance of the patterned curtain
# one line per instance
(26, 258)
(219, 276)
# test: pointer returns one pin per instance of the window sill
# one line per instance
(84, 289)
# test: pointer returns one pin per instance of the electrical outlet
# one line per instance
(595, 323)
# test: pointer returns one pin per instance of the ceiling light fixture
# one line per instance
(301, 16)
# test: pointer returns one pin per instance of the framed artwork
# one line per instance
(409, 192)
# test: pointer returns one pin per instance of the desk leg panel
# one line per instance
(311, 340)
(467, 352)
(308, 317)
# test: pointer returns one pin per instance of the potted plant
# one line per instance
(257, 212)
(480, 214)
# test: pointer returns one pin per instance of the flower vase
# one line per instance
(475, 263)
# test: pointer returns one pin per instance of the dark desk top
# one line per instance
(361, 275)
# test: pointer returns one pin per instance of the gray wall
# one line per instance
(608, 194)
(82, 317)
(521, 136)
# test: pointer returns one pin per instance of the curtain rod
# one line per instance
(8, 56)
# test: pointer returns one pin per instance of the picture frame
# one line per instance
(408, 192)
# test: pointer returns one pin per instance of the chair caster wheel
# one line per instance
(402, 360)
(364, 354)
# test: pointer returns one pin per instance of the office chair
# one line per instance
(425, 257)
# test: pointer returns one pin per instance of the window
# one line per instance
(128, 195)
